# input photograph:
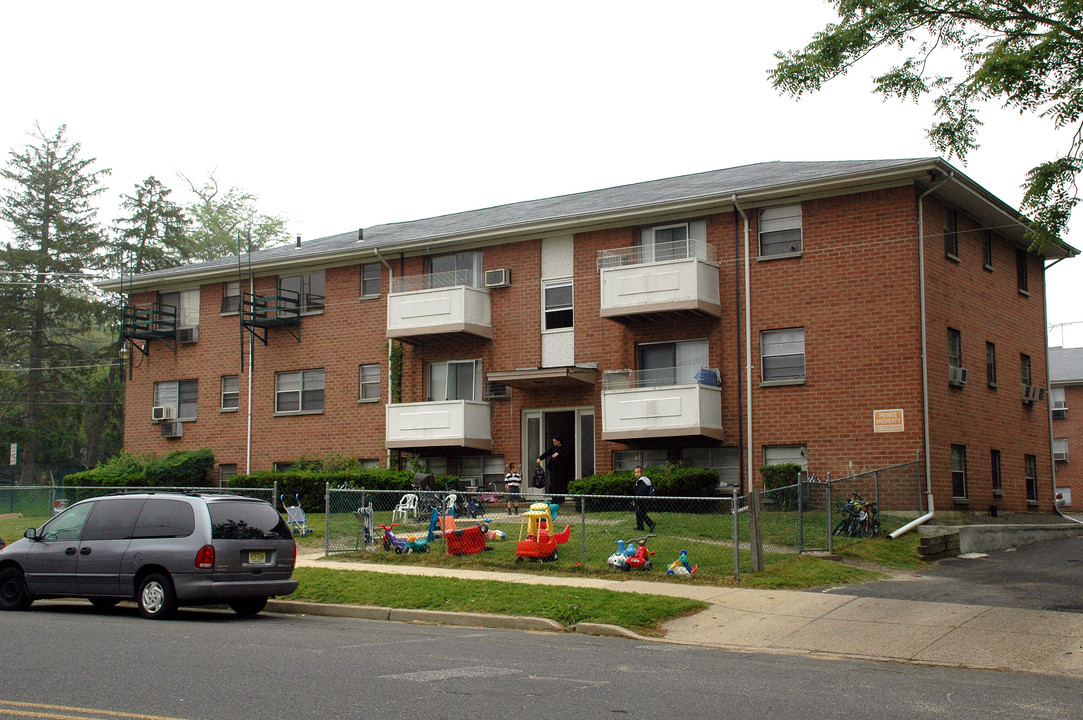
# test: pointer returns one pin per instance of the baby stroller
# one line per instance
(296, 517)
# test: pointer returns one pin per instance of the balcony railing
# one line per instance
(657, 252)
(148, 321)
(450, 278)
(660, 377)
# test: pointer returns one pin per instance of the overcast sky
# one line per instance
(343, 115)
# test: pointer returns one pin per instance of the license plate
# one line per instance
(257, 558)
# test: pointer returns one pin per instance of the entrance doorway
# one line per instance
(575, 426)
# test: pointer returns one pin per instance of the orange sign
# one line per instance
(885, 421)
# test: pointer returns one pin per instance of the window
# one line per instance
(370, 383)
(112, 519)
(186, 305)
(231, 297)
(951, 234)
(671, 242)
(299, 391)
(994, 471)
(481, 470)
(455, 380)
(1021, 270)
(670, 363)
(1030, 468)
(958, 471)
(1024, 368)
(780, 231)
(782, 355)
(180, 394)
(991, 364)
(955, 348)
(456, 270)
(1057, 399)
(628, 459)
(308, 288)
(725, 461)
(783, 454)
(231, 385)
(225, 472)
(369, 464)
(987, 250)
(162, 518)
(370, 280)
(434, 465)
(1060, 449)
(283, 466)
(557, 305)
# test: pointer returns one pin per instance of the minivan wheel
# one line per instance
(13, 592)
(157, 599)
(248, 607)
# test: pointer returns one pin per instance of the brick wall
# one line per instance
(1070, 473)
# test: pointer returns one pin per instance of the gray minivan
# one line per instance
(160, 549)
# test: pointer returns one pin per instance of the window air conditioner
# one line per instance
(1060, 456)
(188, 335)
(1033, 394)
(1060, 413)
(172, 430)
(158, 413)
(498, 278)
(956, 376)
(496, 391)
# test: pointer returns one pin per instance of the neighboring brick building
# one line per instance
(619, 319)
(1066, 399)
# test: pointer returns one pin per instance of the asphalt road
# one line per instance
(209, 664)
(1039, 576)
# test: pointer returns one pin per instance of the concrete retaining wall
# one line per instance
(988, 538)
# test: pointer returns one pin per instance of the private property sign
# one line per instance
(885, 421)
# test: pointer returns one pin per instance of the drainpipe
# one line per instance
(748, 347)
(924, 366)
(737, 322)
(391, 279)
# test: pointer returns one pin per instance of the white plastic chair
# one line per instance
(449, 503)
(407, 506)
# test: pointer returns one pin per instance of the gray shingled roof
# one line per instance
(1066, 365)
(714, 183)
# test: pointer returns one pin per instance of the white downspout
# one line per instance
(251, 352)
(924, 366)
(390, 283)
(748, 349)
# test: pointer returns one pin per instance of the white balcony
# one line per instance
(673, 277)
(670, 402)
(421, 307)
(448, 423)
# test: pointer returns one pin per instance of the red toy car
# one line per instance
(538, 543)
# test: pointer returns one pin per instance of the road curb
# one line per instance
(604, 630)
(429, 617)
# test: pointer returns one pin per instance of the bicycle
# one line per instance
(862, 518)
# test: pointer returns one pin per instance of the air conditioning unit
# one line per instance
(1033, 394)
(188, 335)
(956, 376)
(158, 413)
(498, 278)
(497, 391)
(1059, 413)
(172, 430)
(1060, 456)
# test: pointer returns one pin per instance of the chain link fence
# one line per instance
(25, 506)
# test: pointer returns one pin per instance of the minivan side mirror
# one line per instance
(31, 534)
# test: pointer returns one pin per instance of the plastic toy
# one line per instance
(402, 545)
(535, 538)
(468, 541)
(680, 566)
(633, 554)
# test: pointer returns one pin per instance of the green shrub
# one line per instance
(671, 480)
(781, 476)
(182, 468)
(309, 485)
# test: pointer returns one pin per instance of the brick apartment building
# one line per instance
(728, 319)
(1066, 399)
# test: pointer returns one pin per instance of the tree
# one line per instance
(1027, 54)
(154, 235)
(217, 220)
(48, 301)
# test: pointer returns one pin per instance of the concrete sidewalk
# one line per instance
(790, 622)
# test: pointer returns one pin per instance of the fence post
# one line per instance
(736, 536)
(755, 537)
(327, 519)
(830, 536)
(583, 525)
(801, 512)
(876, 489)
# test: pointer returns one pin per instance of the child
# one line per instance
(513, 483)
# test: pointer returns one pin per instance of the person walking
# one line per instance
(561, 467)
(513, 484)
(643, 489)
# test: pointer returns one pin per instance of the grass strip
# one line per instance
(643, 614)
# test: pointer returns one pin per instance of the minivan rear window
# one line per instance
(241, 520)
(162, 518)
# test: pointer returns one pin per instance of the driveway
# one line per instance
(1039, 576)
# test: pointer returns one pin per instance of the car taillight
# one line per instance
(205, 557)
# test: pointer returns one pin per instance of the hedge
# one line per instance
(785, 476)
(307, 486)
(671, 480)
(181, 468)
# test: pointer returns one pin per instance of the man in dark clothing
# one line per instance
(643, 489)
(561, 468)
